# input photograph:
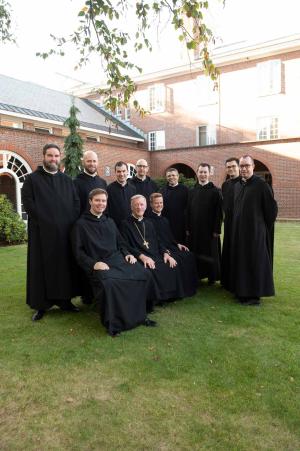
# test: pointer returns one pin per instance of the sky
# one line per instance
(34, 20)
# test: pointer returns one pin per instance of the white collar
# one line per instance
(49, 172)
(91, 175)
(138, 219)
(158, 214)
(203, 183)
(97, 216)
(173, 186)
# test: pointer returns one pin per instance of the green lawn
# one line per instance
(213, 376)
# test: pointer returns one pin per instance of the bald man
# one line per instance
(143, 184)
(88, 180)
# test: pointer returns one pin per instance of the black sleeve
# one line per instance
(28, 199)
(84, 261)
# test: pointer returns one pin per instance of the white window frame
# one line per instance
(210, 131)
(269, 77)
(43, 130)
(267, 128)
(131, 170)
(156, 140)
(157, 98)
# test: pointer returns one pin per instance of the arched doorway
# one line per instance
(262, 171)
(187, 171)
(13, 170)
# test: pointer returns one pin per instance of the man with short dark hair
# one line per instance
(119, 194)
(121, 286)
(175, 196)
(51, 202)
(232, 172)
(143, 184)
(254, 214)
(204, 219)
(88, 179)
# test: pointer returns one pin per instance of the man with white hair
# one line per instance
(143, 184)
(145, 245)
(88, 179)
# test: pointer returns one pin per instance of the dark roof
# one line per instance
(22, 97)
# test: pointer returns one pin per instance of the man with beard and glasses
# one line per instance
(233, 176)
(88, 179)
(51, 202)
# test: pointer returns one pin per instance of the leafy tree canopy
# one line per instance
(5, 22)
(100, 32)
(73, 146)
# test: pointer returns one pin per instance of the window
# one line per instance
(156, 140)
(47, 131)
(207, 91)
(269, 76)
(157, 98)
(267, 128)
(131, 170)
(7, 123)
(92, 138)
(206, 135)
(127, 114)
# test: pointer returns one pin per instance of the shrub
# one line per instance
(12, 228)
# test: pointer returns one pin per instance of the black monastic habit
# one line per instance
(227, 193)
(145, 188)
(84, 184)
(118, 204)
(175, 204)
(122, 291)
(185, 259)
(204, 218)
(254, 214)
(52, 205)
(168, 280)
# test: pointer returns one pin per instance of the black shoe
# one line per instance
(149, 323)
(69, 307)
(252, 301)
(114, 333)
(86, 300)
(38, 315)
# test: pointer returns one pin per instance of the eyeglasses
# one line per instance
(141, 166)
(245, 166)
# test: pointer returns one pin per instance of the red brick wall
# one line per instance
(281, 158)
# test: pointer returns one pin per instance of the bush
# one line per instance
(12, 228)
(189, 182)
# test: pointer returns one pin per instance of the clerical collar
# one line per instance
(139, 178)
(138, 219)
(121, 183)
(203, 183)
(158, 214)
(49, 172)
(97, 216)
(91, 175)
(173, 186)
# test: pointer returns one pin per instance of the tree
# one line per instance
(5, 22)
(100, 33)
(73, 145)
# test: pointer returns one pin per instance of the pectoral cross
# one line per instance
(146, 244)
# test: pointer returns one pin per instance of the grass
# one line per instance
(214, 375)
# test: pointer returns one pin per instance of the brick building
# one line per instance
(255, 110)
(32, 116)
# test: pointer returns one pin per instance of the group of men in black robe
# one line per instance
(127, 245)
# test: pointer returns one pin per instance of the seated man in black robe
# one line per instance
(185, 259)
(144, 243)
(121, 286)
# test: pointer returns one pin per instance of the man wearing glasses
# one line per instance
(251, 256)
(143, 184)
